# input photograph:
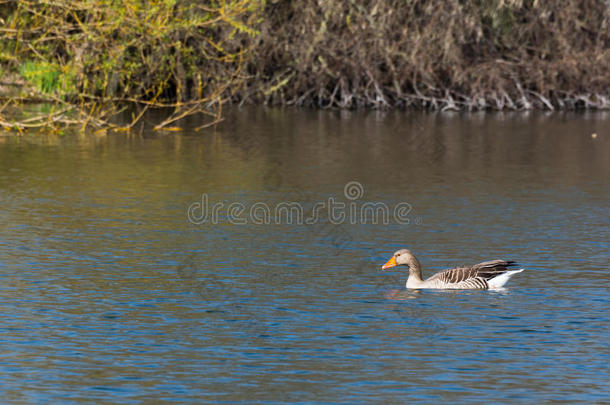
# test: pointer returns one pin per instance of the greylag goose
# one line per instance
(487, 275)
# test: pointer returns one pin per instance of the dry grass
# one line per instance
(434, 54)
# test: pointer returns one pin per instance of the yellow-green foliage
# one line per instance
(164, 50)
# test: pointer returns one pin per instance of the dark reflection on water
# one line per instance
(110, 294)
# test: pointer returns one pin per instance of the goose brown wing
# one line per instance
(456, 275)
(485, 271)
(492, 268)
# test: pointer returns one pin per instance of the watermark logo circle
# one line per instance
(353, 190)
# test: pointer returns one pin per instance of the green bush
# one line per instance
(48, 77)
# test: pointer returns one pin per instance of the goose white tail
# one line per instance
(498, 282)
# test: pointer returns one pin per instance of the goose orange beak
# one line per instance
(390, 263)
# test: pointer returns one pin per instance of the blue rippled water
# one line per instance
(109, 294)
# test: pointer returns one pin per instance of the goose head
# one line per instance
(402, 257)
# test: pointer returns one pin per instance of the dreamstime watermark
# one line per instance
(293, 212)
(333, 229)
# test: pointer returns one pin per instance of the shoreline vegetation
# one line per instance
(88, 60)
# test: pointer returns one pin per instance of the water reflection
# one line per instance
(110, 293)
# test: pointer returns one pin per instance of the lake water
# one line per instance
(118, 287)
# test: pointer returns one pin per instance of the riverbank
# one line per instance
(499, 55)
